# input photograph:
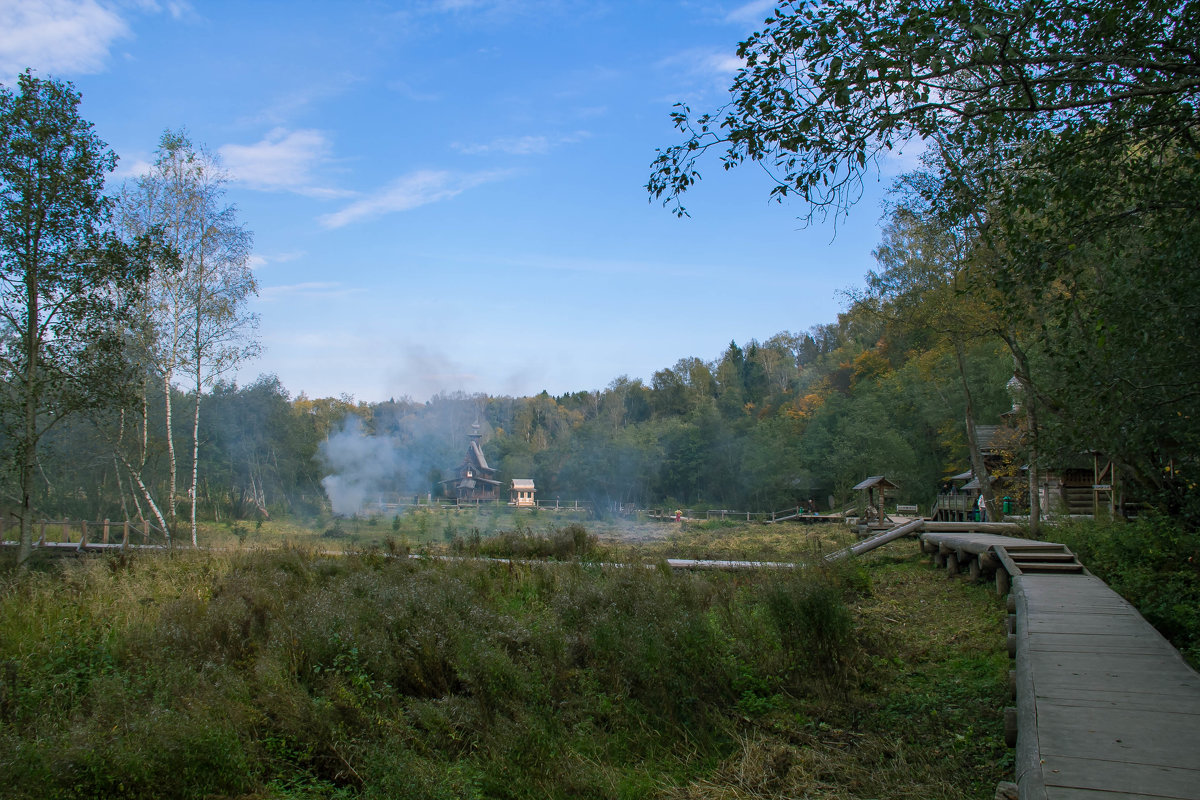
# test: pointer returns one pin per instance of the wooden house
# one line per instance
(474, 480)
(523, 493)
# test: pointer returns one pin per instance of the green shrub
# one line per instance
(1154, 563)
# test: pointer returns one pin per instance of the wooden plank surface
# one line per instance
(1107, 708)
(982, 542)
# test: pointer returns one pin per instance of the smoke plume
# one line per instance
(361, 466)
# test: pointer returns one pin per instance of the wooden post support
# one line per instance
(105, 538)
(65, 532)
(145, 531)
(1002, 582)
(82, 534)
(42, 538)
(1010, 726)
(125, 535)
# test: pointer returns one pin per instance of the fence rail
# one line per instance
(86, 533)
(799, 513)
(449, 505)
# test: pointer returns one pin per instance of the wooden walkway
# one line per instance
(1106, 707)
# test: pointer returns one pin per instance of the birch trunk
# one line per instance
(195, 454)
(149, 498)
(171, 467)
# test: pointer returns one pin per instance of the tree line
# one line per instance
(1055, 212)
(1040, 262)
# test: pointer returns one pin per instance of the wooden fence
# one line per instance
(798, 513)
(84, 533)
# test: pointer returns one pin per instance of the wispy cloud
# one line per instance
(323, 290)
(751, 13)
(282, 161)
(906, 158)
(258, 261)
(520, 145)
(57, 36)
(288, 105)
(411, 191)
(706, 65)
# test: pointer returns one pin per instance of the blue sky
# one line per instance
(447, 195)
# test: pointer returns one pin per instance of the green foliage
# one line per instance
(1154, 563)
(290, 674)
(65, 284)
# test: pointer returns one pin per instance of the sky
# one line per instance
(449, 195)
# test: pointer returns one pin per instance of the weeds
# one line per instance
(288, 674)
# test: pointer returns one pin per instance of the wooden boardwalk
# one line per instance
(1106, 707)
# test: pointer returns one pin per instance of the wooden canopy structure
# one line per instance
(875, 489)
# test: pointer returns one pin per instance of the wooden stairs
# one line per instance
(1039, 561)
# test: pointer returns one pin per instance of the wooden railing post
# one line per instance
(82, 534)
(65, 532)
(145, 531)
(42, 539)
(105, 538)
(125, 535)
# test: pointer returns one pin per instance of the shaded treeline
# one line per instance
(764, 426)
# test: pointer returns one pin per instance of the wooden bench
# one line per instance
(908, 511)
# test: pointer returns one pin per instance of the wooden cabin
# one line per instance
(956, 502)
(474, 480)
(523, 493)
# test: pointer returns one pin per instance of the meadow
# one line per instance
(280, 667)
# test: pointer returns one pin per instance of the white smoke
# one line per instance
(361, 466)
(414, 445)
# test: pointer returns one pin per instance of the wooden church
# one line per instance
(474, 480)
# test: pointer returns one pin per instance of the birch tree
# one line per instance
(197, 313)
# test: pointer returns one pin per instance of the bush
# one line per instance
(1154, 563)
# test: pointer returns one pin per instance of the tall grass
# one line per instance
(289, 674)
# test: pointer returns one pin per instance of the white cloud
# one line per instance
(905, 158)
(282, 161)
(520, 145)
(56, 36)
(720, 65)
(751, 13)
(409, 192)
(258, 261)
(313, 289)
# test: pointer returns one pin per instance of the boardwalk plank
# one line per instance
(1121, 735)
(1129, 779)
(1089, 773)
(1111, 707)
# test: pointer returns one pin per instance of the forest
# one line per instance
(1037, 271)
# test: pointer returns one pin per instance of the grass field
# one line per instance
(275, 669)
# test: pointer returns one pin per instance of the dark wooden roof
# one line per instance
(876, 480)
